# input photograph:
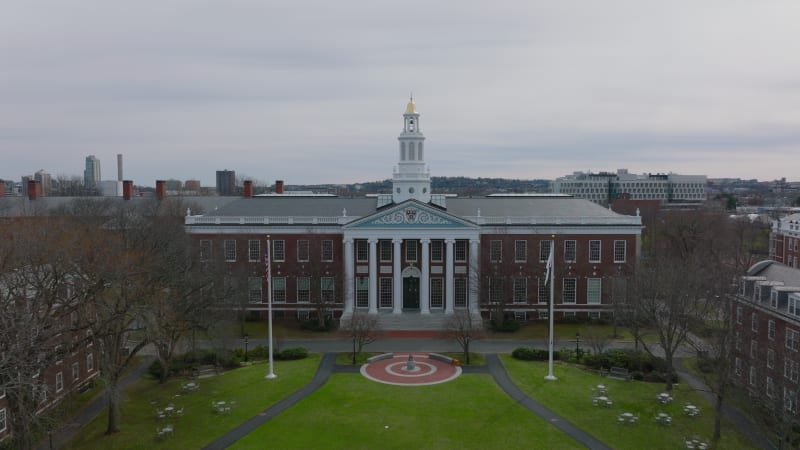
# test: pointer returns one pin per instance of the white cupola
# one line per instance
(411, 180)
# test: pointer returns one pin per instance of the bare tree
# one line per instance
(597, 339)
(39, 302)
(463, 328)
(362, 329)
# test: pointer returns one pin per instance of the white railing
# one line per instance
(268, 220)
(534, 220)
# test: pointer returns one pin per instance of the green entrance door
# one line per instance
(410, 293)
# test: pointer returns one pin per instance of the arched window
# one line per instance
(411, 151)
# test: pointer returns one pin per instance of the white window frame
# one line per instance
(437, 250)
(278, 286)
(571, 251)
(3, 420)
(412, 250)
(90, 362)
(594, 294)
(437, 292)
(792, 339)
(327, 289)
(460, 299)
(791, 370)
(278, 250)
(326, 251)
(255, 290)
(620, 251)
(595, 251)
(569, 293)
(753, 376)
(771, 330)
(495, 290)
(205, 249)
(520, 290)
(362, 251)
(496, 251)
(520, 251)
(770, 390)
(76, 371)
(362, 292)
(739, 312)
(753, 348)
(460, 251)
(789, 400)
(770, 358)
(59, 381)
(385, 292)
(754, 321)
(544, 250)
(738, 366)
(303, 295)
(542, 288)
(253, 250)
(230, 250)
(303, 250)
(386, 250)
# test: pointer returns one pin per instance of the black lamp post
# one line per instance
(578, 345)
(246, 339)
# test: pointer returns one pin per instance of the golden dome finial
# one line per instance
(411, 108)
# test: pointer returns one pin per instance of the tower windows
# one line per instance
(402, 151)
(410, 151)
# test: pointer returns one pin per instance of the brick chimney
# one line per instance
(127, 189)
(279, 186)
(248, 188)
(161, 189)
(34, 189)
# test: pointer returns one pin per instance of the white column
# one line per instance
(424, 280)
(448, 276)
(373, 276)
(348, 276)
(397, 283)
(474, 281)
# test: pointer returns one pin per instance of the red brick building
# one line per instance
(766, 353)
(784, 244)
(414, 257)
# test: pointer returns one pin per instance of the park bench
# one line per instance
(619, 373)
(442, 358)
(380, 357)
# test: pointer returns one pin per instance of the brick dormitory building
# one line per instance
(413, 256)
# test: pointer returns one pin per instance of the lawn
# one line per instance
(571, 395)
(200, 425)
(351, 412)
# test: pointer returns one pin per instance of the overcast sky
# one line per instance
(314, 91)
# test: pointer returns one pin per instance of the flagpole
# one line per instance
(271, 373)
(552, 275)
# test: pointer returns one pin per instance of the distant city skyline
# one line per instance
(313, 93)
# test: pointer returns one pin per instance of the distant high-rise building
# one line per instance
(605, 187)
(119, 167)
(192, 185)
(91, 175)
(226, 182)
(44, 179)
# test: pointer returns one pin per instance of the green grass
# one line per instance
(346, 358)
(351, 412)
(199, 425)
(570, 396)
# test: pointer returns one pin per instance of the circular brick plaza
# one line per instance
(395, 370)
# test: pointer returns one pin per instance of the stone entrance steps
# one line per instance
(410, 320)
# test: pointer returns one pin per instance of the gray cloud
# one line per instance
(312, 91)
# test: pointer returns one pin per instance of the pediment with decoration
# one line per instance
(411, 214)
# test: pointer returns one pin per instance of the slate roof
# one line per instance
(775, 271)
(462, 207)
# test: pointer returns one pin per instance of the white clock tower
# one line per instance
(411, 180)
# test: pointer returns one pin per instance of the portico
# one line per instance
(403, 260)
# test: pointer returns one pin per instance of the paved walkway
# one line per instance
(63, 435)
(502, 379)
(320, 377)
(741, 422)
(328, 366)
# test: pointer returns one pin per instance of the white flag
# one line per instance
(549, 265)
